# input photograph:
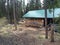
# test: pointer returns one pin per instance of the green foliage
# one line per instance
(57, 21)
(20, 8)
(34, 5)
(18, 11)
(2, 8)
(58, 29)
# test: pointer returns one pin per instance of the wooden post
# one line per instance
(52, 33)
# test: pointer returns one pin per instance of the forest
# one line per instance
(30, 30)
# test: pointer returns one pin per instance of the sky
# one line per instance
(27, 1)
(41, 1)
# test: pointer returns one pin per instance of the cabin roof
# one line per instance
(41, 14)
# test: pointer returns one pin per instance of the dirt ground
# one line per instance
(26, 36)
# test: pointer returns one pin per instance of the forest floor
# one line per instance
(26, 36)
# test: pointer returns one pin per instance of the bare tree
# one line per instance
(45, 7)
(15, 23)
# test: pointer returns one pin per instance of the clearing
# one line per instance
(25, 36)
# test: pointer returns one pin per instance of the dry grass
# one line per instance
(25, 36)
(10, 38)
(3, 21)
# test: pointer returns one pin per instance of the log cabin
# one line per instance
(38, 16)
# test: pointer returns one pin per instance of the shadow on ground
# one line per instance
(20, 39)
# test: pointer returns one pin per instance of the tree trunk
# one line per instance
(52, 33)
(8, 11)
(46, 24)
(46, 20)
(52, 29)
(53, 15)
(15, 23)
